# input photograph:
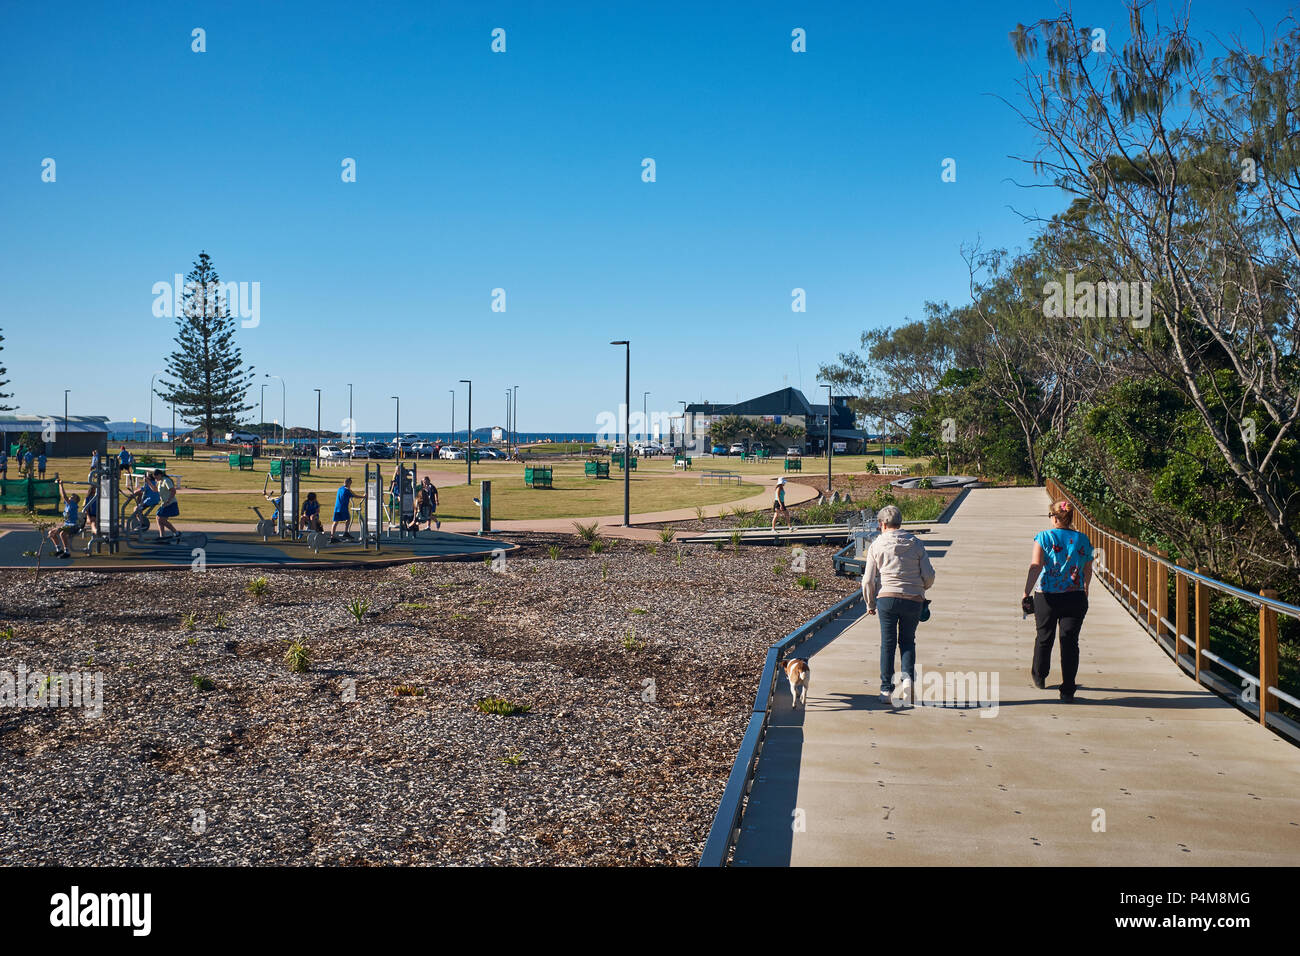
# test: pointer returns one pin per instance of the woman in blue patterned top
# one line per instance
(1059, 574)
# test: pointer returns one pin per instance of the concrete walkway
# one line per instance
(1176, 775)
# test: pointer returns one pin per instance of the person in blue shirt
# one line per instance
(1060, 572)
(124, 463)
(60, 534)
(40, 465)
(4, 464)
(148, 495)
(341, 512)
(27, 462)
(310, 519)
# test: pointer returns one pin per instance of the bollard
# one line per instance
(485, 507)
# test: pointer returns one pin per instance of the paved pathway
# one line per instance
(1182, 777)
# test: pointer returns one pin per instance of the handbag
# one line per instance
(925, 610)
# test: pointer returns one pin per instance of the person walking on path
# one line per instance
(40, 465)
(779, 510)
(896, 574)
(1060, 571)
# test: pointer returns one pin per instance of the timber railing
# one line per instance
(1138, 576)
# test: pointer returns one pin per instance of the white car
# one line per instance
(451, 453)
(356, 451)
(737, 449)
(333, 451)
(422, 449)
(793, 453)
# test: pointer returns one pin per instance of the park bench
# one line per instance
(596, 469)
(721, 477)
(794, 464)
(183, 451)
(891, 469)
(763, 453)
(747, 456)
(683, 462)
(535, 476)
(141, 470)
(26, 494)
(634, 460)
(151, 461)
(242, 462)
(304, 466)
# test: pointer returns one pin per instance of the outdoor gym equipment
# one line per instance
(288, 523)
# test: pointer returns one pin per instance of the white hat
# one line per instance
(780, 481)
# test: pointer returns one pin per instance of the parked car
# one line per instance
(718, 450)
(236, 438)
(452, 453)
(737, 448)
(376, 449)
(495, 454)
(793, 453)
(332, 451)
(648, 448)
(422, 449)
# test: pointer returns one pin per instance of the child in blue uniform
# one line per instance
(61, 534)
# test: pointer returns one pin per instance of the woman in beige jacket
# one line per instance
(896, 575)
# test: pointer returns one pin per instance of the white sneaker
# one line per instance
(903, 696)
(886, 697)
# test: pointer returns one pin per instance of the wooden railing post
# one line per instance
(1143, 571)
(1180, 609)
(1130, 562)
(1202, 620)
(1267, 657)
(1162, 599)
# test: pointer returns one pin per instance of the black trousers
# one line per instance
(1067, 610)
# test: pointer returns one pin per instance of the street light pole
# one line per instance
(397, 426)
(645, 416)
(261, 413)
(627, 447)
(514, 419)
(151, 378)
(452, 440)
(317, 429)
(65, 423)
(829, 451)
(352, 424)
(469, 435)
(508, 431)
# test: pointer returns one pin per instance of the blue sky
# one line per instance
(519, 171)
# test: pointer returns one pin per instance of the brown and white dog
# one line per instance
(797, 673)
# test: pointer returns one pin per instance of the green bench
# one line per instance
(183, 451)
(596, 469)
(764, 453)
(28, 493)
(142, 470)
(242, 462)
(149, 461)
(618, 460)
(304, 466)
(794, 464)
(537, 476)
(683, 462)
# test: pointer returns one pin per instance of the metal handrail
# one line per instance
(726, 821)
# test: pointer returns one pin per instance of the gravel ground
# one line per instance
(267, 766)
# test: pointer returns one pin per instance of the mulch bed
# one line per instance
(639, 671)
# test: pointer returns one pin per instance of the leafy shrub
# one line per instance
(297, 659)
(496, 704)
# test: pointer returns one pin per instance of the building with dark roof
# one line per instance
(784, 406)
(79, 435)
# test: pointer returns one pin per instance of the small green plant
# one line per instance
(220, 622)
(630, 643)
(496, 704)
(415, 570)
(679, 557)
(457, 616)
(191, 641)
(597, 545)
(189, 621)
(6, 633)
(639, 610)
(413, 606)
(736, 538)
(604, 570)
(719, 545)
(258, 586)
(699, 513)
(358, 608)
(651, 548)
(200, 682)
(778, 569)
(487, 560)
(666, 535)
(807, 582)
(512, 759)
(925, 483)
(587, 532)
(554, 552)
(296, 658)
(408, 690)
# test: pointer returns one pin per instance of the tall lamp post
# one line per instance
(683, 404)
(261, 413)
(397, 426)
(627, 447)
(514, 419)
(829, 450)
(151, 378)
(317, 391)
(65, 423)
(283, 416)
(509, 432)
(452, 439)
(352, 423)
(469, 434)
(645, 416)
